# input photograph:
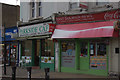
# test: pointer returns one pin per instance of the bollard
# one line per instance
(13, 73)
(47, 73)
(29, 72)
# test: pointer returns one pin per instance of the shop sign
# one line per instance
(47, 59)
(10, 33)
(108, 15)
(35, 30)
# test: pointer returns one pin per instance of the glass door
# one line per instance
(84, 58)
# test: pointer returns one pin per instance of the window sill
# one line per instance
(101, 6)
(37, 18)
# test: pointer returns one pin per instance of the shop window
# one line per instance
(13, 53)
(27, 48)
(84, 47)
(68, 54)
(47, 48)
(26, 52)
(47, 55)
(98, 58)
(92, 49)
(97, 49)
(101, 49)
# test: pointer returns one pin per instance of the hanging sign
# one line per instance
(36, 29)
(108, 15)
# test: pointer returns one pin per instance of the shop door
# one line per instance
(37, 51)
(84, 58)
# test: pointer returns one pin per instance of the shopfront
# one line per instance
(85, 47)
(37, 47)
(11, 46)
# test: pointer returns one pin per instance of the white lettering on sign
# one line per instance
(112, 15)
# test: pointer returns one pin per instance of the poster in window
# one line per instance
(68, 55)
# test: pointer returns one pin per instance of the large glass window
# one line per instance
(97, 49)
(101, 49)
(68, 54)
(27, 48)
(98, 58)
(47, 48)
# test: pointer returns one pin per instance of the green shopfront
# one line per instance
(84, 48)
(84, 56)
(87, 43)
(37, 47)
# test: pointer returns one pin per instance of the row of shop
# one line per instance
(69, 45)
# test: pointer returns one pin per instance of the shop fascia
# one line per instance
(36, 30)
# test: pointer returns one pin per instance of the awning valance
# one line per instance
(85, 30)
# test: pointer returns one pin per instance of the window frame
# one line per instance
(32, 9)
(71, 3)
(39, 8)
(99, 3)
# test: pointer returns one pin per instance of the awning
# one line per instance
(86, 30)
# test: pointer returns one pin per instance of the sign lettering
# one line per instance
(34, 30)
(108, 15)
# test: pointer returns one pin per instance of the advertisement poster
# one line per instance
(26, 59)
(98, 62)
(47, 59)
(68, 55)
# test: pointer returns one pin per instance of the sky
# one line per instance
(12, 2)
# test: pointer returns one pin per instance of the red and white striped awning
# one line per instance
(85, 30)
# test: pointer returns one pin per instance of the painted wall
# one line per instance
(95, 8)
(10, 15)
(47, 9)
(55, 7)
(113, 57)
(24, 11)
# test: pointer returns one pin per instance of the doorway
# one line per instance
(37, 52)
(84, 56)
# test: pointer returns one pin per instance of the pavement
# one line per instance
(38, 74)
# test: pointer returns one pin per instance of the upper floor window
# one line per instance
(73, 4)
(39, 9)
(33, 9)
(102, 2)
(78, 4)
